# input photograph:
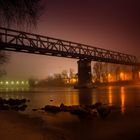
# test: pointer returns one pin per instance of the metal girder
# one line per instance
(12, 40)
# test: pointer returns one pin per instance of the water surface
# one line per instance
(125, 97)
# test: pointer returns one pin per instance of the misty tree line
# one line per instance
(102, 71)
(57, 79)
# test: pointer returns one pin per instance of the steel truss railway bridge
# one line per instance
(18, 41)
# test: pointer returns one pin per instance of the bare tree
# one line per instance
(20, 12)
(4, 58)
(64, 74)
(100, 71)
(72, 75)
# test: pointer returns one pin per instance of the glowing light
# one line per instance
(73, 81)
(12, 82)
(68, 75)
(109, 77)
(75, 99)
(72, 99)
(122, 100)
(110, 95)
(6, 82)
(122, 76)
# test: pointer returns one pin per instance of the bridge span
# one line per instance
(18, 41)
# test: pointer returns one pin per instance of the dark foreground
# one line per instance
(73, 120)
(65, 126)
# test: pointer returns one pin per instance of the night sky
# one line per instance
(109, 24)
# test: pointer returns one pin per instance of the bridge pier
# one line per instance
(136, 73)
(84, 74)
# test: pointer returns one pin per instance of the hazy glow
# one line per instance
(110, 95)
(12, 83)
(110, 25)
(122, 76)
(122, 100)
(72, 99)
(6, 82)
(73, 80)
(109, 77)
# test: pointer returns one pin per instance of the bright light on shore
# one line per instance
(12, 83)
(109, 77)
(122, 76)
(6, 82)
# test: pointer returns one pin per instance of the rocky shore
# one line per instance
(85, 122)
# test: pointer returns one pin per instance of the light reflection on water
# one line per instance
(110, 95)
(124, 97)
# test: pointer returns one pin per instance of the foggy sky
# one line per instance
(109, 24)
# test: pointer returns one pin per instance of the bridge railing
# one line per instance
(13, 40)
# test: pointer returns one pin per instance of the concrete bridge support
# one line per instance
(84, 74)
(136, 73)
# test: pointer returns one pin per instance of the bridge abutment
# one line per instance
(84, 74)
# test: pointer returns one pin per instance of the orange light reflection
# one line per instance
(110, 95)
(122, 100)
(72, 99)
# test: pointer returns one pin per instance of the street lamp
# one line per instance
(109, 77)
(122, 76)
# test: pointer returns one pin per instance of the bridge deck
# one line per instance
(12, 40)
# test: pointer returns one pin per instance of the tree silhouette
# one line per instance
(4, 58)
(20, 12)
(100, 71)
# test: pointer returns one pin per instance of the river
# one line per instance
(122, 123)
(125, 97)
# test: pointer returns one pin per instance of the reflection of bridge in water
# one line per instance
(17, 41)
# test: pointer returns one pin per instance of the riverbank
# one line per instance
(16, 126)
(119, 83)
(64, 126)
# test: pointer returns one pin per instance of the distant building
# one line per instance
(14, 83)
